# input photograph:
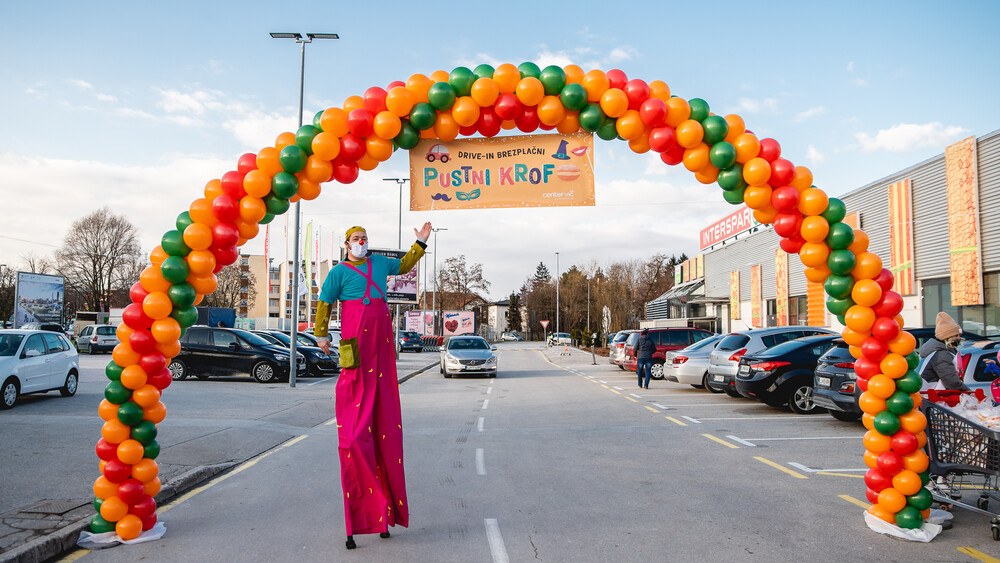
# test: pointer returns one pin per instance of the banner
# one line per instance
(755, 297)
(518, 171)
(781, 286)
(960, 164)
(267, 264)
(38, 298)
(457, 323)
(420, 321)
(734, 295)
(307, 257)
(901, 236)
(400, 290)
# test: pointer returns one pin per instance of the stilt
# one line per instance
(384, 535)
(350, 542)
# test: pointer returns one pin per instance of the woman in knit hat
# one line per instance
(369, 424)
(940, 354)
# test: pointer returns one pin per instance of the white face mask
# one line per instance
(359, 250)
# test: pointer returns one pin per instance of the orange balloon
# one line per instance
(203, 283)
(813, 254)
(868, 267)
(879, 511)
(866, 292)
(387, 125)
(170, 349)
(690, 133)
(813, 201)
(860, 243)
(736, 127)
(256, 184)
(317, 169)
(439, 76)
(399, 101)
(151, 279)
(201, 262)
(630, 125)
(855, 351)
(903, 344)
(595, 82)
(485, 91)
(104, 489)
(875, 442)
(917, 399)
(881, 386)
(696, 158)
(756, 171)
(428, 134)
(198, 298)
(868, 421)
(678, 111)
(465, 111)
(146, 396)
(571, 124)
(114, 509)
(853, 337)
(418, 85)
(201, 211)
(767, 216)
(130, 452)
(155, 413)
(123, 354)
(367, 163)
(128, 527)
(107, 410)
(114, 432)
(758, 197)
(252, 209)
(658, 89)
(145, 471)
(158, 255)
(123, 332)
(133, 377)
(378, 148)
(917, 461)
(506, 77)
(445, 126)
(709, 175)
(352, 103)
(324, 145)
(213, 189)
(871, 459)
(267, 161)
(747, 147)
(198, 236)
(157, 305)
(860, 318)
(551, 111)
(815, 229)
(508, 125)
(333, 121)
(310, 190)
(871, 404)
(614, 102)
(921, 439)
(152, 488)
(894, 366)
(530, 91)
(802, 179)
(891, 499)
(574, 74)
(284, 139)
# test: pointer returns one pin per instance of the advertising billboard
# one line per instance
(400, 290)
(38, 298)
(457, 323)
(420, 321)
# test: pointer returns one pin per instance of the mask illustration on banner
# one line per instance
(359, 250)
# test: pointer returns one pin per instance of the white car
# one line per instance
(511, 337)
(468, 354)
(690, 365)
(560, 338)
(35, 361)
(97, 338)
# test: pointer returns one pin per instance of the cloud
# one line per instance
(811, 112)
(850, 66)
(81, 84)
(619, 54)
(814, 156)
(860, 82)
(905, 137)
(252, 128)
(545, 58)
(107, 98)
(753, 105)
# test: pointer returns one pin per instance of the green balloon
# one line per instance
(97, 504)
(423, 115)
(293, 159)
(716, 129)
(839, 306)
(699, 109)
(144, 432)
(591, 117)
(408, 136)
(173, 244)
(841, 262)
(842, 319)
(182, 294)
(117, 393)
(175, 269)
(573, 97)
(835, 211)
(886, 423)
(304, 137)
(461, 80)
(731, 178)
(183, 221)
(899, 403)
(722, 155)
(841, 236)
(151, 450)
(130, 413)
(838, 287)
(113, 371)
(484, 71)
(318, 120)
(529, 69)
(276, 205)
(284, 185)
(912, 360)
(553, 79)
(608, 131)
(441, 96)
(268, 217)
(909, 518)
(98, 525)
(925, 477)
(922, 500)
(185, 316)
(734, 197)
(909, 383)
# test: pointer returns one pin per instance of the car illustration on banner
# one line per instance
(438, 152)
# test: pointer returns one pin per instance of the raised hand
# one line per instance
(425, 232)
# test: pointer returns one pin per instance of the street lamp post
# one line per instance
(399, 244)
(434, 295)
(557, 292)
(295, 259)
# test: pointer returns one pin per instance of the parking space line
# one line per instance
(804, 438)
(721, 441)
(330, 422)
(779, 467)
(978, 555)
(489, 389)
(320, 381)
(482, 420)
(742, 441)
(602, 381)
(631, 399)
(619, 388)
(605, 386)
(692, 420)
(675, 421)
(779, 417)
(480, 462)
(486, 403)
(651, 409)
(659, 406)
(823, 471)
(497, 549)
(615, 392)
(853, 500)
(836, 474)
(636, 396)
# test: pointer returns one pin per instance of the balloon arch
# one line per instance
(341, 141)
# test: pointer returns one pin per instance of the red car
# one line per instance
(666, 339)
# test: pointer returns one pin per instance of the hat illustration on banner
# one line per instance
(561, 151)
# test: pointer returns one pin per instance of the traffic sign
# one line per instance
(545, 324)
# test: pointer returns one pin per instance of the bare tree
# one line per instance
(94, 252)
(460, 281)
(7, 279)
(31, 262)
(234, 284)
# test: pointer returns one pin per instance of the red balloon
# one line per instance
(866, 368)
(144, 508)
(469, 130)
(885, 279)
(904, 443)
(874, 349)
(148, 523)
(889, 305)
(137, 293)
(787, 224)
(785, 199)
(527, 121)
(224, 256)
(160, 379)
(106, 451)
(232, 184)
(489, 124)
(116, 471)
(661, 138)
(545, 127)
(152, 362)
(673, 156)
(361, 123)
(395, 84)
(142, 341)
(890, 463)
(637, 92)
(885, 329)
(871, 495)
(770, 150)
(135, 318)
(653, 112)
(247, 162)
(782, 172)
(351, 151)
(862, 384)
(617, 78)
(374, 100)
(792, 245)
(131, 491)
(225, 235)
(345, 172)
(226, 208)
(507, 107)
(877, 480)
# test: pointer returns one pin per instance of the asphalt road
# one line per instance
(559, 460)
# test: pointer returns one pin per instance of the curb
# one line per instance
(411, 375)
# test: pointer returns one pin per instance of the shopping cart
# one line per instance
(964, 458)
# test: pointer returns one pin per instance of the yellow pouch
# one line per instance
(349, 357)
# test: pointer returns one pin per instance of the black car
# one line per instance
(207, 351)
(320, 363)
(409, 340)
(834, 383)
(783, 374)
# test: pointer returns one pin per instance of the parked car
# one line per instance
(979, 365)
(468, 354)
(834, 383)
(511, 337)
(690, 365)
(666, 339)
(319, 363)
(97, 338)
(724, 360)
(409, 340)
(617, 354)
(34, 361)
(560, 338)
(783, 374)
(207, 351)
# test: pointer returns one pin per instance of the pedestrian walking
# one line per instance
(369, 424)
(644, 349)
(940, 366)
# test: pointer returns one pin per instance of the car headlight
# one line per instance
(281, 357)
(492, 360)
(450, 358)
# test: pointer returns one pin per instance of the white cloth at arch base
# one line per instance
(90, 540)
(925, 533)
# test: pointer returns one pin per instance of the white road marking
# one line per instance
(482, 419)
(806, 438)
(636, 396)
(590, 377)
(497, 549)
(658, 405)
(787, 417)
(480, 462)
(619, 388)
(486, 403)
(744, 442)
(602, 381)
(694, 420)
(330, 422)
(321, 381)
(489, 390)
(811, 470)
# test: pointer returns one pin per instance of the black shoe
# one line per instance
(350, 542)
(384, 535)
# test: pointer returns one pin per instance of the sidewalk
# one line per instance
(48, 528)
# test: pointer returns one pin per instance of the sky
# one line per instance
(135, 106)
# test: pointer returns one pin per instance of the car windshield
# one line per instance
(732, 342)
(269, 337)
(410, 334)
(621, 336)
(305, 340)
(252, 338)
(790, 346)
(106, 330)
(632, 338)
(281, 337)
(468, 344)
(709, 342)
(9, 344)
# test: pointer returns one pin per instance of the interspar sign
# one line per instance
(730, 225)
(519, 171)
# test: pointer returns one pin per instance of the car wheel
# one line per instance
(656, 370)
(177, 369)
(90, 350)
(621, 367)
(800, 399)
(69, 388)
(263, 372)
(9, 392)
(709, 386)
(845, 416)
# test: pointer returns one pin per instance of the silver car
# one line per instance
(617, 354)
(97, 338)
(725, 359)
(980, 366)
(468, 354)
(36, 361)
(690, 365)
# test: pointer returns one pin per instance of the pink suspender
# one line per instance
(371, 283)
